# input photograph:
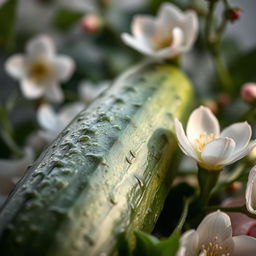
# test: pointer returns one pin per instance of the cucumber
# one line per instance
(106, 173)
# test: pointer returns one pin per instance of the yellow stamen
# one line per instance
(213, 248)
(203, 140)
(40, 71)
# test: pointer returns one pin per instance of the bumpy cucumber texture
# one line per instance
(106, 173)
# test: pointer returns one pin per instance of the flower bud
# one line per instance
(91, 23)
(211, 104)
(248, 92)
(223, 99)
(233, 14)
(235, 187)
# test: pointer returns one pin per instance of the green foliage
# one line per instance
(7, 23)
(66, 18)
(148, 245)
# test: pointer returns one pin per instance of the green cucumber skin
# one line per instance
(106, 173)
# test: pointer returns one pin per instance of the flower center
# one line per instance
(203, 139)
(161, 42)
(39, 71)
(214, 248)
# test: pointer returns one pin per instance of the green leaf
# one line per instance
(169, 246)
(148, 245)
(66, 18)
(7, 23)
(145, 244)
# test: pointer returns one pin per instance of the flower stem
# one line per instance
(207, 181)
(7, 133)
(184, 214)
(213, 41)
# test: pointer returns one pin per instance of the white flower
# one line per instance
(53, 123)
(214, 237)
(169, 34)
(12, 170)
(89, 91)
(40, 70)
(250, 194)
(211, 149)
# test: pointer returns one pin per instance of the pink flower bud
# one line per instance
(248, 92)
(91, 23)
(233, 14)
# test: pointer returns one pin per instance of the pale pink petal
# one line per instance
(250, 194)
(63, 67)
(16, 66)
(183, 141)
(31, 90)
(244, 245)
(241, 223)
(41, 46)
(216, 151)
(53, 93)
(216, 224)
(240, 132)
(201, 120)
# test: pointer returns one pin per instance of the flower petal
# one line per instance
(190, 28)
(40, 46)
(250, 194)
(47, 118)
(244, 245)
(31, 90)
(63, 67)
(201, 120)
(15, 66)
(241, 223)
(169, 15)
(240, 132)
(183, 141)
(217, 151)
(240, 154)
(143, 26)
(175, 48)
(137, 44)
(216, 224)
(189, 243)
(53, 93)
